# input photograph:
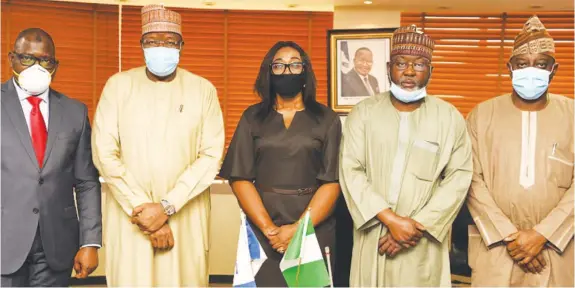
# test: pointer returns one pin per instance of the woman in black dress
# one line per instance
(283, 158)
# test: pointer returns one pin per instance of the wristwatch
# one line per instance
(169, 209)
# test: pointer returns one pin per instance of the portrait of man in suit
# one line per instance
(357, 66)
(358, 81)
(46, 159)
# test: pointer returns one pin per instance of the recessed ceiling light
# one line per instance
(535, 6)
(443, 8)
(292, 5)
(209, 3)
(367, 2)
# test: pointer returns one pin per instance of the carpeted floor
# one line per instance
(456, 280)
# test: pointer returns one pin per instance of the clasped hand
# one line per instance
(387, 245)
(163, 238)
(525, 248)
(280, 237)
(149, 217)
(405, 231)
(152, 221)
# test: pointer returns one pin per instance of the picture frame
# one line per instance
(349, 83)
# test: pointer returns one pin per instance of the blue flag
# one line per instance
(250, 256)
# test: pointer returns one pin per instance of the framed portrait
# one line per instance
(357, 65)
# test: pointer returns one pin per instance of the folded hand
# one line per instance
(388, 246)
(523, 246)
(283, 237)
(163, 238)
(405, 230)
(536, 265)
(149, 217)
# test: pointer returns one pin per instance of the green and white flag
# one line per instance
(303, 264)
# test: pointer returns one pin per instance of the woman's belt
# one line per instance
(299, 192)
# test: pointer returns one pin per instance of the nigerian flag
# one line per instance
(302, 264)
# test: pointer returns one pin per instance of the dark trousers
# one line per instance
(35, 272)
(344, 244)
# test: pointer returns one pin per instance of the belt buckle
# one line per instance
(303, 191)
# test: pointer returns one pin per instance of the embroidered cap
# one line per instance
(533, 39)
(155, 18)
(409, 40)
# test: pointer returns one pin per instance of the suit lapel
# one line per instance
(14, 110)
(374, 84)
(54, 123)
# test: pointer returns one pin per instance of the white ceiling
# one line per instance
(462, 5)
(302, 5)
(330, 5)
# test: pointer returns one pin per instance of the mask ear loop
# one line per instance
(17, 77)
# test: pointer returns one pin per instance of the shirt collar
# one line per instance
(23, 95)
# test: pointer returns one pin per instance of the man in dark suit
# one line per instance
(46, 156)
(358, 81)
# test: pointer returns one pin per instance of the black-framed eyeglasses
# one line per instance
(544, 65)
(417, 66)
(294, 68)
(149, 43)
(365, 62)
(29, 60)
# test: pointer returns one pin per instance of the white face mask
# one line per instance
(34, 80)
(407, 96)
(530, 83)
(162, 61)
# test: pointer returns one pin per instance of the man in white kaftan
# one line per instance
(405, 171)
(158, 140)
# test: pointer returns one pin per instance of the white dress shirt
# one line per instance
(367, 84)
(27, 108)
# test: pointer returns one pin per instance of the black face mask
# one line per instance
(288, 85)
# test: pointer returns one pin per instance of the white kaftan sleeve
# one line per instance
(363, 202)
(202, 170)
(106, 149)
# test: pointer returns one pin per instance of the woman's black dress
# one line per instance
(279, 159)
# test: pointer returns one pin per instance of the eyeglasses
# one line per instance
(364, 62)
(29, 60)
(294, 68)
(417, 66)
(157, 43)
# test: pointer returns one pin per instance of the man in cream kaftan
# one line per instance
(158, 140)
(405, 170)
(523, 177)
(419, 165)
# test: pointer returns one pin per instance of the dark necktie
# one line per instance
(38, 127)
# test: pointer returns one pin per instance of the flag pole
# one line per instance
(305, 221)
(327, 255)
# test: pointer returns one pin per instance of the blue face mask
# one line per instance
(530, 83)
(407, 96)
(162, 61)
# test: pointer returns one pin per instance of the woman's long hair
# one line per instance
(266, 92)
